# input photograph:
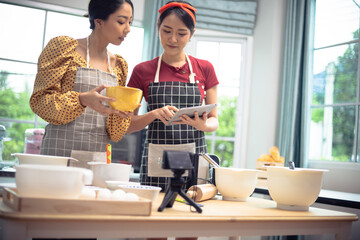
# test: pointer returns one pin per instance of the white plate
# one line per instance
(143, 191)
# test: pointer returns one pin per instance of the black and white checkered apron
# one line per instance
(88, 131)
(180, 95)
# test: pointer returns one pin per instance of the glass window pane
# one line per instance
(60, 24)
(202, 52)
(227, 116)
(131, 49)
(229, 64)
(226, 59)
(16, 82)
(225, 151)
(335, 21)
(22, 30)
(335, 74)
(17, 76)
(358, 140)
(15, 139)
(332, 133)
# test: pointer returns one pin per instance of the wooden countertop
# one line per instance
(255, 217)
(213, 210)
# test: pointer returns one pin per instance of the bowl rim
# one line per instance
(141, 187)
(105, 163)
(121, 183)
(123, 87)
(44, 167)
(39, 155)
(308, 170)
(239, 169)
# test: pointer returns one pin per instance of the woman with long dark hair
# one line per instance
(72, 74)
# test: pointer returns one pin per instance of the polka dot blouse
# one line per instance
(54, 99)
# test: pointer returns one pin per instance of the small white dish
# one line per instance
(113, 185)
(143, 191)
(109, 172)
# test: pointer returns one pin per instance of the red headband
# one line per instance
(183, 6)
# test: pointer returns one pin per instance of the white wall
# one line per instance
(266, 78)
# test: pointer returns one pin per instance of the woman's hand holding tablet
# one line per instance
(190, 112)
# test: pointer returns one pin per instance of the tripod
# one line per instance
(174, 188)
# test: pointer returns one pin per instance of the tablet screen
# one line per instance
(190, 112)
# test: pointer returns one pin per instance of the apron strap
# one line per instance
(191, 76)
(109, 64)
(87, 53)
(88, 56)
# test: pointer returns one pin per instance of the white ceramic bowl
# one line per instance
(235, 184)
(109, 172)
(25, 158)
(143, 191)
(45, 181)
(294, 189)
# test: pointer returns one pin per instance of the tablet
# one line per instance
(190, 112)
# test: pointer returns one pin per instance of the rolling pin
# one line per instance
(202, 192)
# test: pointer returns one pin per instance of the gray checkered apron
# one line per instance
(180, 95)
(88, 131)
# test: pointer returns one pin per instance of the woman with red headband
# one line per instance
(169, 82)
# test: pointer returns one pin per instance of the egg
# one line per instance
(104, 194)
(88, 194)
(131, 197)
(118, 194)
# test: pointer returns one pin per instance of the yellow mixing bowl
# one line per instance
(127, 98)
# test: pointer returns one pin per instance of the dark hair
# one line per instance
(184, 16)
(101, 9)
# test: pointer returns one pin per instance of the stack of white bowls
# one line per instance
(43, 176)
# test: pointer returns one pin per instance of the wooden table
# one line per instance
(256, 217)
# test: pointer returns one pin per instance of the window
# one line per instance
(335, 99)
(20, 46)
(333, 136)
(227, 56)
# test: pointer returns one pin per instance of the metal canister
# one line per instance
(33, 140)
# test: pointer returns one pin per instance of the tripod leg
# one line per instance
(190, 201)
(170, 194)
